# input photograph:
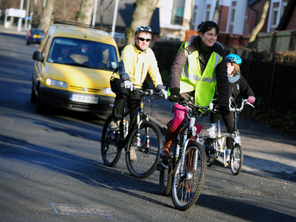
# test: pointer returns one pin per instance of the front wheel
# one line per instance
(236, 159)
(147, 154)
(109, 144)
(188, 183)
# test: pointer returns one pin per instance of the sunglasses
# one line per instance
(142, 39)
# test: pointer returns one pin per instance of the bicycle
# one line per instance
(184, 171)
(143, 134)
(217, 146)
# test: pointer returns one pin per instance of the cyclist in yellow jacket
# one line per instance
(136, 61)
(199, 65)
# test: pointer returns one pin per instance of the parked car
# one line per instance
(35, 36)
(73, 69)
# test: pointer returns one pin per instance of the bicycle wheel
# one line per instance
(186, 188)
(148, 153)
(109, 144)
(210, 151)
(236, 159)
(165, 175)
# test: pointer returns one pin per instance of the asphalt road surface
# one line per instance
(51, 167)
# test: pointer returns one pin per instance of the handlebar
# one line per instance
(244, 101)
(190, 103)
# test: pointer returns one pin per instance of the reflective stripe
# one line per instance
(190, 76)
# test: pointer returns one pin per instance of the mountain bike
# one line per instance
(183, 173)
(217, 146)
(144, 135)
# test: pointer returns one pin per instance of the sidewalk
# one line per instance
(267, 152)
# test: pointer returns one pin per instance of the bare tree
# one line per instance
(46, 17)
(85, 12)
(142, 16)
(259, 26)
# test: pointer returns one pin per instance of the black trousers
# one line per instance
(229, 123)
(124, 97)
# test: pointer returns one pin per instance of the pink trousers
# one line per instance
(180, 114)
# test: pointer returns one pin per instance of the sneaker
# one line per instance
(228, 151)
(114, 125)
(133, 155)
(212, 131)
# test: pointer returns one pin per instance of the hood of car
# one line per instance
(79, 78)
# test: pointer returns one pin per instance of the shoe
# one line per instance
(164, 153)
(114, 125)
(187, 186)
(212, 131)
(228, 151)
(133, 155)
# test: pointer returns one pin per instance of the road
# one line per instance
(51, 167)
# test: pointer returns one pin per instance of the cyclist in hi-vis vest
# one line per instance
(199, 65)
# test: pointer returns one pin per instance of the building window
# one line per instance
(177, 17)
(178, 12)
(232, 16)
(274, 17)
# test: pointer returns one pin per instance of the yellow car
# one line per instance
(73, 69)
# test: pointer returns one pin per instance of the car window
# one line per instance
(78, 52)
(37, 32)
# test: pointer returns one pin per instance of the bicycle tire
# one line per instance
(165, 175)
(109, 144)
(186, 191)
(236, 159)
(147, 158)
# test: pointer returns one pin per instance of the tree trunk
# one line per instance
(85, 12)
(215, 16)
(46, 17)
(142, 16)
(259, 26)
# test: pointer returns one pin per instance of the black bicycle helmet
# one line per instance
(143, 29)
(234, 59)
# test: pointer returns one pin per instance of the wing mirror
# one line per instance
(38, 56)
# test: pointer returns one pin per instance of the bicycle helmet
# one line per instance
(143, 29)
(234, 59)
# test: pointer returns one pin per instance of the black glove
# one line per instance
(224, 110)
(175, 95)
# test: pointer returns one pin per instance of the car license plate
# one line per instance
(84, 99)
(37, 36)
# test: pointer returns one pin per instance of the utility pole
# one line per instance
(94, 14)
(114, 18)
(27, 14)
(20, 19)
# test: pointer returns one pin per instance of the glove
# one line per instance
(128, 85)
(162, 89)
(251, 99)
(175, 95)
(224, 110)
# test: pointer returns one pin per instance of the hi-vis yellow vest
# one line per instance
(202, 83)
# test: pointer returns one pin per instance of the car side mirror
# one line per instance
(38, 56)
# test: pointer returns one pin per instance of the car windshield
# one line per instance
(83, 53)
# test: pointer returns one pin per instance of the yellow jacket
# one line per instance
(137, 64)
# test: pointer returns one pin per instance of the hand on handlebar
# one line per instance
(175, 95)
(161, 88)
(128, 85)
(251, 99)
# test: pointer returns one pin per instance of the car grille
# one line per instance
(90, 90)
(94, 107)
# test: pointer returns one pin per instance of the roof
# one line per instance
(81, 32)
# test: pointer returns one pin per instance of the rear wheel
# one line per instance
(165, 175)
(210, 151)
(236, 159)
(109, 144)
(148, 151)
(187, 184)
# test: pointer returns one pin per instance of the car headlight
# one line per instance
(108, 91)
(56, 83)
